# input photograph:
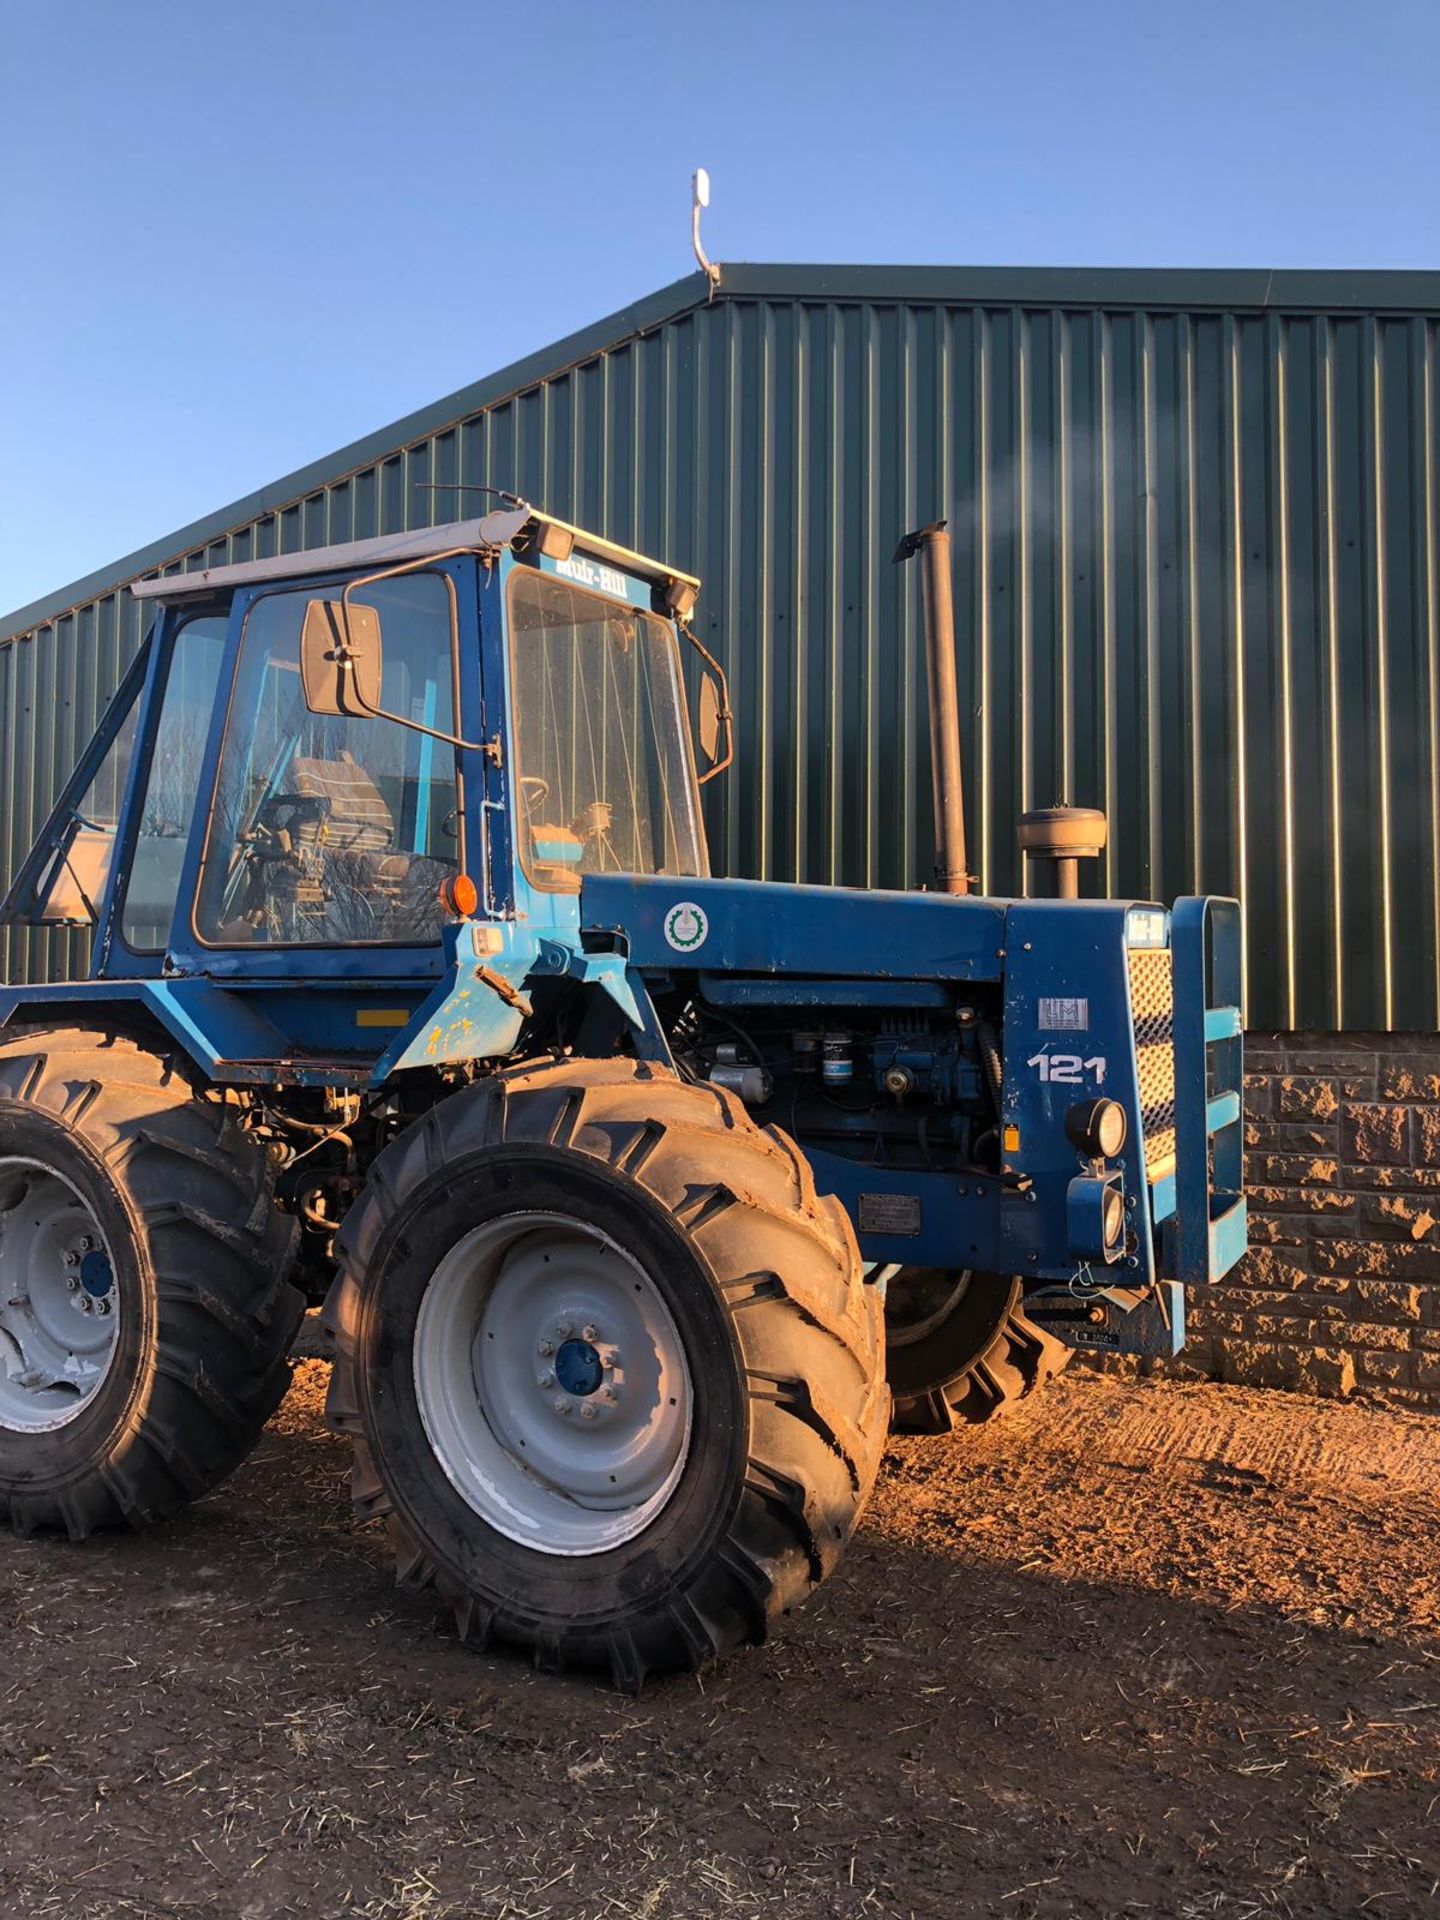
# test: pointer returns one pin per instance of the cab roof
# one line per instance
(503, 527)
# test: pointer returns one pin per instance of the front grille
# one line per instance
(1152, 1004)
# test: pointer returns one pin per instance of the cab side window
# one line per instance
(167, 805)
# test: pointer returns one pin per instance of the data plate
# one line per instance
(1064, 1015)
(890, 1213)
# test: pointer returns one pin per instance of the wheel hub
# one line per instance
(578, 1367)
(520, 1384)
(58, 1299)
(96, 1276)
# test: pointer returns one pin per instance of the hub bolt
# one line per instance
(72, 1259)
(545, 1349)
(562, 1405)
(73, 1284)
(563, 1329)
(590, 1333)
(87, 1245)
(587, 1411)
(103, 1306)
(608, 1394)
(545, 1379)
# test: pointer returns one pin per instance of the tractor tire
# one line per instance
(960, 1350)
(612, 1373)
(145, 1314)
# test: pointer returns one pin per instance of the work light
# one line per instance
(1097, 1128)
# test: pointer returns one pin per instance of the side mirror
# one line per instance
(714, 718)
(341, 659)
(710, 718)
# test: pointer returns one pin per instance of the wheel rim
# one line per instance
(59, 1299)
(553, 1385)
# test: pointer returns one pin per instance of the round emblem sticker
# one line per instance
(686, 926)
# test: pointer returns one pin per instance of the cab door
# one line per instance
(330, 831)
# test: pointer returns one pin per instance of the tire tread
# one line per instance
(1014, 1363)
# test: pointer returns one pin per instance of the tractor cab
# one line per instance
(318, 761)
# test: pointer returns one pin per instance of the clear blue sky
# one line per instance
(238, 233)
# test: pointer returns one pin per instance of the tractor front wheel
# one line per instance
(959, 1348)
(612, 1372)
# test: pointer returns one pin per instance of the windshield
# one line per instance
(606, 783)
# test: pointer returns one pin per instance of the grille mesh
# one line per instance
(1152, 1004)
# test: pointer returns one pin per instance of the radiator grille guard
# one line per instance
(1089, 1009)
(1152, 1003)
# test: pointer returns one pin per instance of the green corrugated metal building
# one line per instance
(1197, 579)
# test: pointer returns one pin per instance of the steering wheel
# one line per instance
(280, 814)
(534, 792)
(259, 842)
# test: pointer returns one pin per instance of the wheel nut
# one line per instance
(589, 1333)
(72, 1259)
(562, 1405)
(607, 1394)
(103, 1306)
(587, 1411)
(545, 1349)
(546, 1379)
(563, 1329)
(73, 1284)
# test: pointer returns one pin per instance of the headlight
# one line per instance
(1114, 1216)
(1097, 1128)
(1095, 1217)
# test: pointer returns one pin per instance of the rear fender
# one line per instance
(134, 1007)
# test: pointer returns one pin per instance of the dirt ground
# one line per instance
(1144, 1649)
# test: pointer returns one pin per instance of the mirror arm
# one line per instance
(418, 726)
(380, 713)
(724, 715)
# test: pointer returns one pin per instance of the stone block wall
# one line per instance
(1341, 1288)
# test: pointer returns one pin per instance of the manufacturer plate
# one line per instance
(889, 1213)
(1064, 1016)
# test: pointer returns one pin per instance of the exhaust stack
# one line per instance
(932, 543)
(1063, 836)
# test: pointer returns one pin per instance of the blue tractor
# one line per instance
(638, 1200)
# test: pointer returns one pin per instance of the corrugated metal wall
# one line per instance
(1196, 585)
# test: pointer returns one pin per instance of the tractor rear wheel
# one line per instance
(145, 1314)
(612, 1372)
(959, 1348)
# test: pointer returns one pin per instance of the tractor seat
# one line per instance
(358, 829)
(349, 847)
(358, 814)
